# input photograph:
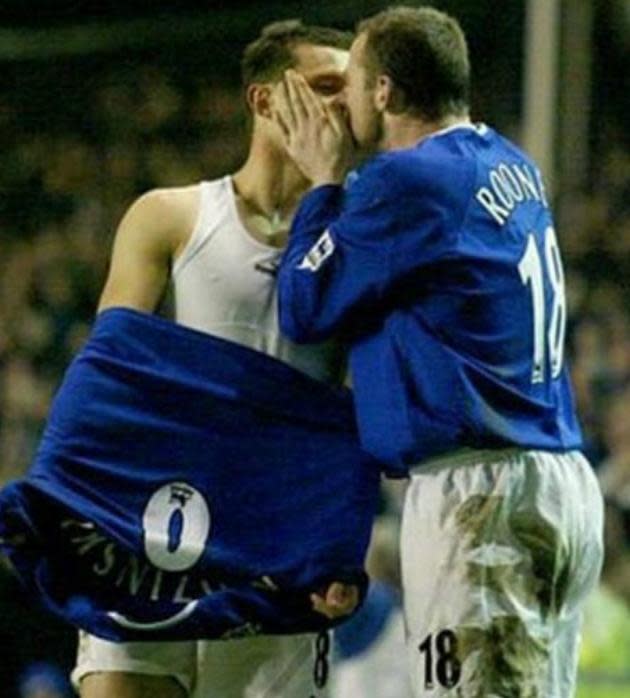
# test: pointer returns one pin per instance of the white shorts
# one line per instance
(379, 671)
(254, 667)
(499, 551)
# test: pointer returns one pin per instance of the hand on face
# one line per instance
(316, 134)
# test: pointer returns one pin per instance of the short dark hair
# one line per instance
(424, 52)
(266, 58)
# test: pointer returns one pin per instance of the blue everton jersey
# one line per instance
(440, 264)
(188, 487)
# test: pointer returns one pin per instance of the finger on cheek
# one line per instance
(281, 124)
(286, 106)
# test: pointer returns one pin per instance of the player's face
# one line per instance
(323, 67)
(365, 119)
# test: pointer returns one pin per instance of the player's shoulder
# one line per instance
(421, 175)
(168, 204)
(498, 148)
(167, 213)
(386, 175)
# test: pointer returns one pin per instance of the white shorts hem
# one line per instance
(130, 667)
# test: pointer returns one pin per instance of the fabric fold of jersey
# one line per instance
(188, 487)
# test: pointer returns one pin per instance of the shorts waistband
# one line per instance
(468, 456)
(465, 456)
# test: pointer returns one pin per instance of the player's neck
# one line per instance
(269, 183)
(404, 131)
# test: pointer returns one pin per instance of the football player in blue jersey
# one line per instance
(439, 262)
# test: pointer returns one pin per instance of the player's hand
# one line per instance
(316, 134)
(338, 600)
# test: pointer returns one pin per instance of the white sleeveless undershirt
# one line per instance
(225, 284)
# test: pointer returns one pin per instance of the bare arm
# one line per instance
(149, 237)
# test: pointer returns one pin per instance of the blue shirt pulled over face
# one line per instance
(440, 264)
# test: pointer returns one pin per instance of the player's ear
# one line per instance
(382, 92)
(259, 99)
(387, 97)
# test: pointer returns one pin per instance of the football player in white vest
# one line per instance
(218, 243)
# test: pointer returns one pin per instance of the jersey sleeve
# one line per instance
(348, 252)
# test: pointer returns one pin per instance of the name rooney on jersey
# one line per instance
(509, 186)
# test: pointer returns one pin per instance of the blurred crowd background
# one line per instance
(85, 131)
